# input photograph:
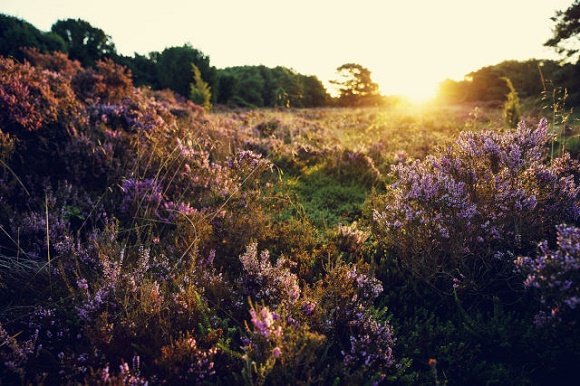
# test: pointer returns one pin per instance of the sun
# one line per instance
(421, 95)
(414, 92)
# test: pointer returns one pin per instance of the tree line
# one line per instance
(188, 71)
(531, 78)
(173, 68)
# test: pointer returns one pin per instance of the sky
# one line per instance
(408, 45)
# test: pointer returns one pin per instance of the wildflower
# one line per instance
(553, 274)
(263, 322)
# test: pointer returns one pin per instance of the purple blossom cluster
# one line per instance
(246, 159)
(95, 300)
(141, 193)
(367, 288)
(213, 179)
(135, 114)
(15, 355)
(485, 198)
(129, 375)
(371, 344)
(146, 196)
(49, 228)
(264, 281)
(264, 322)
(555, 275)
(348, 317)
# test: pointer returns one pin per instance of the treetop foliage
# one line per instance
(355, 85)
(16, 33)
(261, 86)
(200, 92)
(566, 38)
(530, 78)
(84, 43)
(250, 86)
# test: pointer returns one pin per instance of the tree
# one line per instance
(227, 87)
(528, 78)
(315, 94)
(85, 43)
(512, 111)
(257, 86)
(200, 91)
(174, 68)
(566, 36)
(142, 69)
(486, 84)
(356, 86)
(16, 34)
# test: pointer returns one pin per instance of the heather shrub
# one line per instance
(553, 275)
(107, 81)
(332, 332)
(54, 61)
(465, 213)
(57, 214)
(34, 99)
(279, 350)
(139, 302)
(360, 335)
(15, 355)
(350, 239)
(261, 280)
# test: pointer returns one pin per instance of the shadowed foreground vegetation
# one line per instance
(144, 240)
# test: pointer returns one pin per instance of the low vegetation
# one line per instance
(144, 240)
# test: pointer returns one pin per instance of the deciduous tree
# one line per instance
(85, 43)
(356, 86)
(566, 38)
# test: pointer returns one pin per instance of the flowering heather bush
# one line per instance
(139, 194)
(54, 61)
(141, 300)
(371, 344)
(279, 350)
(470, 209)
(130, 222)
(132, 114)
(264, 323)
(32, 98)
(187, 362)
(344, 312)
(126, 375)
(15, 355)
(261, 280)
(108, 81)
(350, 238)
(555, 275)
(56, 213)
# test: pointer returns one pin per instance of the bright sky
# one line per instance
(409, 45)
